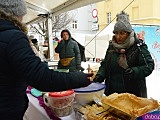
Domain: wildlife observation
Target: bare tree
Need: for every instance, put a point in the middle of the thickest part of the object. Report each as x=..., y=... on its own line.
x=59, y=22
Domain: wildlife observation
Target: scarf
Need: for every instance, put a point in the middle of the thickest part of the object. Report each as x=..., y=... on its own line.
x=120, y=48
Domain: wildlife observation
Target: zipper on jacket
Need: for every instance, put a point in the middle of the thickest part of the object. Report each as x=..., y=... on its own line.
x=123, y=81
x=109, y=71
x=66, y=45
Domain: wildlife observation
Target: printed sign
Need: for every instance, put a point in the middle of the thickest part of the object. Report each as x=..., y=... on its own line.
x=151, y=36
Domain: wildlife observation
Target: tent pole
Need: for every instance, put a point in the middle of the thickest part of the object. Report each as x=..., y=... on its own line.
x=51, y=51
x=95, y=49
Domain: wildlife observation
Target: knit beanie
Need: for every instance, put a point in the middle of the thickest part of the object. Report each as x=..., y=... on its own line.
x=13, y=7
x=123, y=23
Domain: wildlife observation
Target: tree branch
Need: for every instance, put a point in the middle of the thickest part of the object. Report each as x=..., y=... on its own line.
x=37, y=30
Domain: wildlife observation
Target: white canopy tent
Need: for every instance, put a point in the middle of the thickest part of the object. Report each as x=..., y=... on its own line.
x=48, y=7
x=96, y=45
x=108, y=30
x=55, y=7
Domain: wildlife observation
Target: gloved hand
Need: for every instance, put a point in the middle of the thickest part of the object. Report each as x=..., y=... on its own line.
x=98, y=78
x=79, y=67
x=128, y=73
x=88, y=75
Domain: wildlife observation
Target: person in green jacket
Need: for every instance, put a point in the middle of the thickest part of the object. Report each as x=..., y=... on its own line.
x=127, y=61
x=69, y=53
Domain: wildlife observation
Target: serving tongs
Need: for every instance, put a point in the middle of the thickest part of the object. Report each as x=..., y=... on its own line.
x=79, y=114
x=77, y=108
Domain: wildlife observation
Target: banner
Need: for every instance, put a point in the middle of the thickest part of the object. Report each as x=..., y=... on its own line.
x=151, y=36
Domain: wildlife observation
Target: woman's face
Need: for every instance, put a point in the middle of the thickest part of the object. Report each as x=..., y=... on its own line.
x=65, y=36
x=121, y=36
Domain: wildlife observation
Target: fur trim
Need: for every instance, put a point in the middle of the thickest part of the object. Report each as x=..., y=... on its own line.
x=13, y=19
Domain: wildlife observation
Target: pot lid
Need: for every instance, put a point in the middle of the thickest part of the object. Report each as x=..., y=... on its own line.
x=91, y=88
x=61, y=94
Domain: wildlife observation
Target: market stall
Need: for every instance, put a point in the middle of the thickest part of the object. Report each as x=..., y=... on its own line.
x=90, y=104
x=40, y=112
x=37, y=111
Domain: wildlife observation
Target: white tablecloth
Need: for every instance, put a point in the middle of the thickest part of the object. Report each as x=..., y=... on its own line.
x=36, y=112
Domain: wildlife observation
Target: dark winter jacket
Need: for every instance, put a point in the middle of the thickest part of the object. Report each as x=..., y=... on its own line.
x=20, y=67
x=82, y=50
x=69, y=49
x=114, y=74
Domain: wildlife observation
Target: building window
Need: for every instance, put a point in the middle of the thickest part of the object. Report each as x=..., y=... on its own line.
x=74, y=24
x=108, y=17
x=135, y=12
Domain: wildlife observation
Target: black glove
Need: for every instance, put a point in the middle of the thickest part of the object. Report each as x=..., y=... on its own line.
x=128, y=73
x=79, y=67
x=98, y=78
x=88, y=75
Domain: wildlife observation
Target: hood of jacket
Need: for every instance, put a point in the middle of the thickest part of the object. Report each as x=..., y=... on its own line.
x=8, y=22
x=67, y=32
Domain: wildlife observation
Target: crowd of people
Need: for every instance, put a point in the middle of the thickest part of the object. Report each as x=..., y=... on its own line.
x=126, y=64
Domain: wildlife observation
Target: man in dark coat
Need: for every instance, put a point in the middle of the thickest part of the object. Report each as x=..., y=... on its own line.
x=20, y=67
x=69, y=53
x=127, y=61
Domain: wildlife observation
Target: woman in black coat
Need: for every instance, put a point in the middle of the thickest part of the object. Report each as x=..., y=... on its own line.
x=20, y=67
x=127, y=61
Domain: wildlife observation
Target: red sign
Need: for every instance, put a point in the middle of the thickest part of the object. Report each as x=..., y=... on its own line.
x=94, y=13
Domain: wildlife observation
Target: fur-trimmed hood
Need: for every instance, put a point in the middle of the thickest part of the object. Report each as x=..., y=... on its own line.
x=10, y=22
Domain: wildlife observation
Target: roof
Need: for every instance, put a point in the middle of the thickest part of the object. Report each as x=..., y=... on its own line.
x=36, y=7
